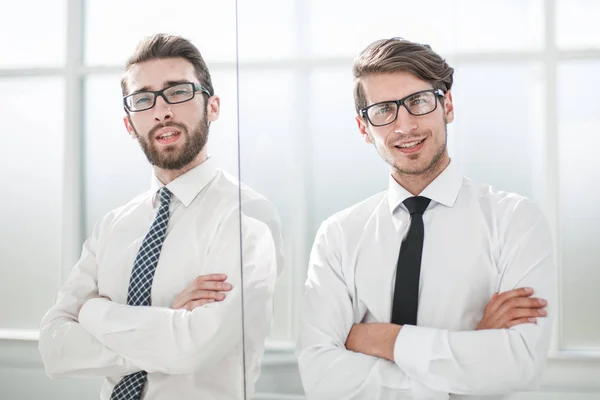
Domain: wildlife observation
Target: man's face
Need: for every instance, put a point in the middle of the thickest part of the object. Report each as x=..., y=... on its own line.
x=171, y=135
x=394, y=142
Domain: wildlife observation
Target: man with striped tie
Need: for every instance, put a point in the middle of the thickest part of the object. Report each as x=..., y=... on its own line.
x=157, y=301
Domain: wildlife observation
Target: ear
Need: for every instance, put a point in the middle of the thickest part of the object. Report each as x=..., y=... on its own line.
x=129, y=127
x=213, y=107
x=362, y=128
x=448, y=107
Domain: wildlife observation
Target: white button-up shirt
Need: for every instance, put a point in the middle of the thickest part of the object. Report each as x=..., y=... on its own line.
x=477, y=241
x=91, y=331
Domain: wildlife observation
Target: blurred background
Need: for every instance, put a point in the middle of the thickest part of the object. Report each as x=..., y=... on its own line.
x=527, y=120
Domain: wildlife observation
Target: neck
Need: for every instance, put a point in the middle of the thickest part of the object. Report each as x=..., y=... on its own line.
x=168, y=175
x=416, y=183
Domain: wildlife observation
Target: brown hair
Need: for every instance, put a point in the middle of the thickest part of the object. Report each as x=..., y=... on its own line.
x=161, y=46
x=400, y=55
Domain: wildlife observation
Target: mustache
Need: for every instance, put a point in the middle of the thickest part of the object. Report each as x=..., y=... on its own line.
x=177, y=125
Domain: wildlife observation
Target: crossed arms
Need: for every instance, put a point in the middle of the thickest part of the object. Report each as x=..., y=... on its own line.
x=339, y=358
x=85, y=334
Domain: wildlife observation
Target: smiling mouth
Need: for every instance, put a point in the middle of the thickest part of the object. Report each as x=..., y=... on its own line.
x=410, y=144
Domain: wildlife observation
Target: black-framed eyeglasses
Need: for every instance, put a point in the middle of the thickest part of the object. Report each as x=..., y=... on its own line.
x=417, y=104
x=175, y=94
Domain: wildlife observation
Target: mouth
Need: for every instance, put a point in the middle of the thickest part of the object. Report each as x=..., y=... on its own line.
x=168, y=136
x=411, y=147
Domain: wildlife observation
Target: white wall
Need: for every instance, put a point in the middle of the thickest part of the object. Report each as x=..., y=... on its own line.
x=527, y=120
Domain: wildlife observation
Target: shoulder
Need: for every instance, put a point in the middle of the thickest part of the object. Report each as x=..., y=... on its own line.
x=511, y=211
x=356, y=216
x=117, y=214
x=253, y=204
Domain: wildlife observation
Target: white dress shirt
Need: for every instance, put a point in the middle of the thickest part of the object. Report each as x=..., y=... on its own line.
x=91, y=331
x=477, y=241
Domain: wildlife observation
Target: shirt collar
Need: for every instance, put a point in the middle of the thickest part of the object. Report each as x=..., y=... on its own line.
x=444, y=188
x=187, y=186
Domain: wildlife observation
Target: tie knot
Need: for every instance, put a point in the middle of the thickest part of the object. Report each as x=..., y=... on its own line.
x=417, y=204
x=165, y=195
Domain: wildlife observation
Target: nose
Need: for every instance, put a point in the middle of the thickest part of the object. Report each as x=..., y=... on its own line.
x=406, y=122
x=162, y=110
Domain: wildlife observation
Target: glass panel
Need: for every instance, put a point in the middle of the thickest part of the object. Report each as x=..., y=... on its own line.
x=344, y=170
x=30, y=233
x=457, y=25
x=114, y=27
x=498, y=125
x=267, y=30
x=268, y=137
x=577, y=24
x=37, y=38
x=579, y=118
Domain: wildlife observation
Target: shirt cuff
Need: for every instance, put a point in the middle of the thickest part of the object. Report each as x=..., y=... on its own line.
x=417, y=346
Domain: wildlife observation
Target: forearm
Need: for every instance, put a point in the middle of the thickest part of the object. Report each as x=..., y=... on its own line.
x=482, y=362
x=485, y=362
x=336, y=373
x=68, y=350
x=161, y=339
x=374, y=339
x=496, y=361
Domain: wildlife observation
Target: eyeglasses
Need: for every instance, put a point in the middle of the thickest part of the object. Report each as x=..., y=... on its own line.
x=386, y=112
x=174, y=94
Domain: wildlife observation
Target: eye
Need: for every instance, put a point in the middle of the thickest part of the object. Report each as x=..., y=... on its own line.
x=418, y=100
x=383, y=109
x=142, y=100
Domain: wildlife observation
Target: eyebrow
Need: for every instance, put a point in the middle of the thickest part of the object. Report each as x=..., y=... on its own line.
x=165, y=84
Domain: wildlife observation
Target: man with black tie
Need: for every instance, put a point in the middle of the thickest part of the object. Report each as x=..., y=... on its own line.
x=440, y=287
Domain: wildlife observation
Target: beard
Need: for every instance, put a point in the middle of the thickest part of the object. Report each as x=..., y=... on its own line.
x=430, y=167
x=175, y=157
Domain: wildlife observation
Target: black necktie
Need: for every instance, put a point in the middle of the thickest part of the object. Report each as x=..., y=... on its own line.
x=406, y=291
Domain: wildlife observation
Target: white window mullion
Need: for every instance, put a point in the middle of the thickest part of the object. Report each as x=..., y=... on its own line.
x=73, y=161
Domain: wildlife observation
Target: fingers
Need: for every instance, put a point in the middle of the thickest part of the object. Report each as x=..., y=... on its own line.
x=195, y=295
x=202, y=288
x=211, y=282
x=210, y=277
x=520, y=321
x=522, y=302
x=511, y=308
x=518, y=313
x=205, y=294
x=191, y=305
x=497, y=301
x=212, y=285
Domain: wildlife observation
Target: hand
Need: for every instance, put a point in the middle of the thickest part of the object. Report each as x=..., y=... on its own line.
x=203, y=290
x=373, y=339
x=511, y=308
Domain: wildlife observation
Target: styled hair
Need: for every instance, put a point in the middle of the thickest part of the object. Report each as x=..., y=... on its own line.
x=400, y=55
x=162, y=46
